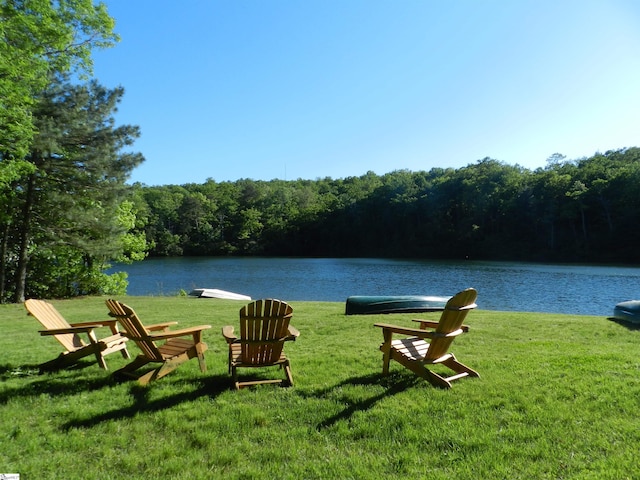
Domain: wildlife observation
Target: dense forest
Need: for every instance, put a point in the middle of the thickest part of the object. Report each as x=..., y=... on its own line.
x=584, y=210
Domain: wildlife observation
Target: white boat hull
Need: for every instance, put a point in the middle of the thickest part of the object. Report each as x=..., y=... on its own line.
x=215, y=293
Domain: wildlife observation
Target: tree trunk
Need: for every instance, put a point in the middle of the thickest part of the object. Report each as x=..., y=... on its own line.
x=3, y=261
x=25, y=238
x=607, y=213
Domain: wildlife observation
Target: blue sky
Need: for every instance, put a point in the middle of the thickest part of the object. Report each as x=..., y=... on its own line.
x=265, y=89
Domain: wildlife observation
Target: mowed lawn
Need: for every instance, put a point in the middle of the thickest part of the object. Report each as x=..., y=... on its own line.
x=558, y=398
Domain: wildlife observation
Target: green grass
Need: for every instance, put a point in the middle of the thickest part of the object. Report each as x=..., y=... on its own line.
x=558, y=398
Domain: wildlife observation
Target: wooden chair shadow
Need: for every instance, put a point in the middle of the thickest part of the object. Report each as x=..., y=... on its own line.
x=393, y=384
x=209, y=386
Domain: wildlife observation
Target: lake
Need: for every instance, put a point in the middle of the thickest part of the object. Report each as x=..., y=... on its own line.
x=506, y=286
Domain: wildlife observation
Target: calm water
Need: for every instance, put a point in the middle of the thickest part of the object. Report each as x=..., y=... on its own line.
x=506, y=286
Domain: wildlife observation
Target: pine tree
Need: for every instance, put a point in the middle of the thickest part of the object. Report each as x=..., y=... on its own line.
x=66, y=212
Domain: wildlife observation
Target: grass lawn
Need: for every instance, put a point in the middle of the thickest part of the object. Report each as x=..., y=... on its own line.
x=558, y=398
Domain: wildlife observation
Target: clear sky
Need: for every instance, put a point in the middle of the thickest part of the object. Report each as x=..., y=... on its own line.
x=265, y=89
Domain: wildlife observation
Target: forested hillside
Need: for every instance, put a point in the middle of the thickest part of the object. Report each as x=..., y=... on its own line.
x=571, y=210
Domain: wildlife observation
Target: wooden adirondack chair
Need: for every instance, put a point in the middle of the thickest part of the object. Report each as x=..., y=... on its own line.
x=170, y=355
x=264, y=327
x=416, y=354
x=69, y=336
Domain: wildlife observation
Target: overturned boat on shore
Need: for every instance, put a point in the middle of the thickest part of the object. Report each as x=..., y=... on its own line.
x=628, y=311
x=215, y=293
x=368, y=305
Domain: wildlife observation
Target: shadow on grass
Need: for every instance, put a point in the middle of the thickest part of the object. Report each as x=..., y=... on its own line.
x=9, y=371
x=392, y=384
x=628, y=325
x=49, y=384
x=210, y=386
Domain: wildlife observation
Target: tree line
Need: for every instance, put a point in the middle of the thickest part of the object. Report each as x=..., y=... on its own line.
x=583, y=210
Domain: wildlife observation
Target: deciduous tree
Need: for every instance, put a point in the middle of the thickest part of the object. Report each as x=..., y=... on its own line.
x=39, y=38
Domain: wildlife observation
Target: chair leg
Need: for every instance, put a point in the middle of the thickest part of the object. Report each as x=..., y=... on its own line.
x=386, y=351
x=128, y=369
x=157, y=373
x=423, y=372
x=458, y=367
x=201, y=361
x=435, y=379
x=234, y=375
x=287, y=371
x=420, y=370
x=149, y=376
x=285, y=382
x=101, y=361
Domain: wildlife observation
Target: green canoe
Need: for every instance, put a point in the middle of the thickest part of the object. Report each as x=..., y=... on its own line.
x=367, y=305
x=628, y=311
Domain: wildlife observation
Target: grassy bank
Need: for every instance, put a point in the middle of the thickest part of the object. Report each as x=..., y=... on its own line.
x=558, y=397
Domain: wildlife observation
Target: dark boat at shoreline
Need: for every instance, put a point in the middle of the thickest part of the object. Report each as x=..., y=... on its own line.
x=628, y=311
x=368, y=305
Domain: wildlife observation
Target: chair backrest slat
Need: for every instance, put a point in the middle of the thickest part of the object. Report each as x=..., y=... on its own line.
x=134, y=329
x=51, y=319
x=262, y=323
x=455, y=311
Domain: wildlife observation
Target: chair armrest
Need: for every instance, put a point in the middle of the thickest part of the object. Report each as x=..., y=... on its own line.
x=183, y=332
x=293, y=332
x=227, y=333
x=426, y=323
x=230, y=337
x=159, y=326
x=58, y=331
x=99, y=323
x=112, y=324
x=431, y=324
x=151, y=328
x=416, y=332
